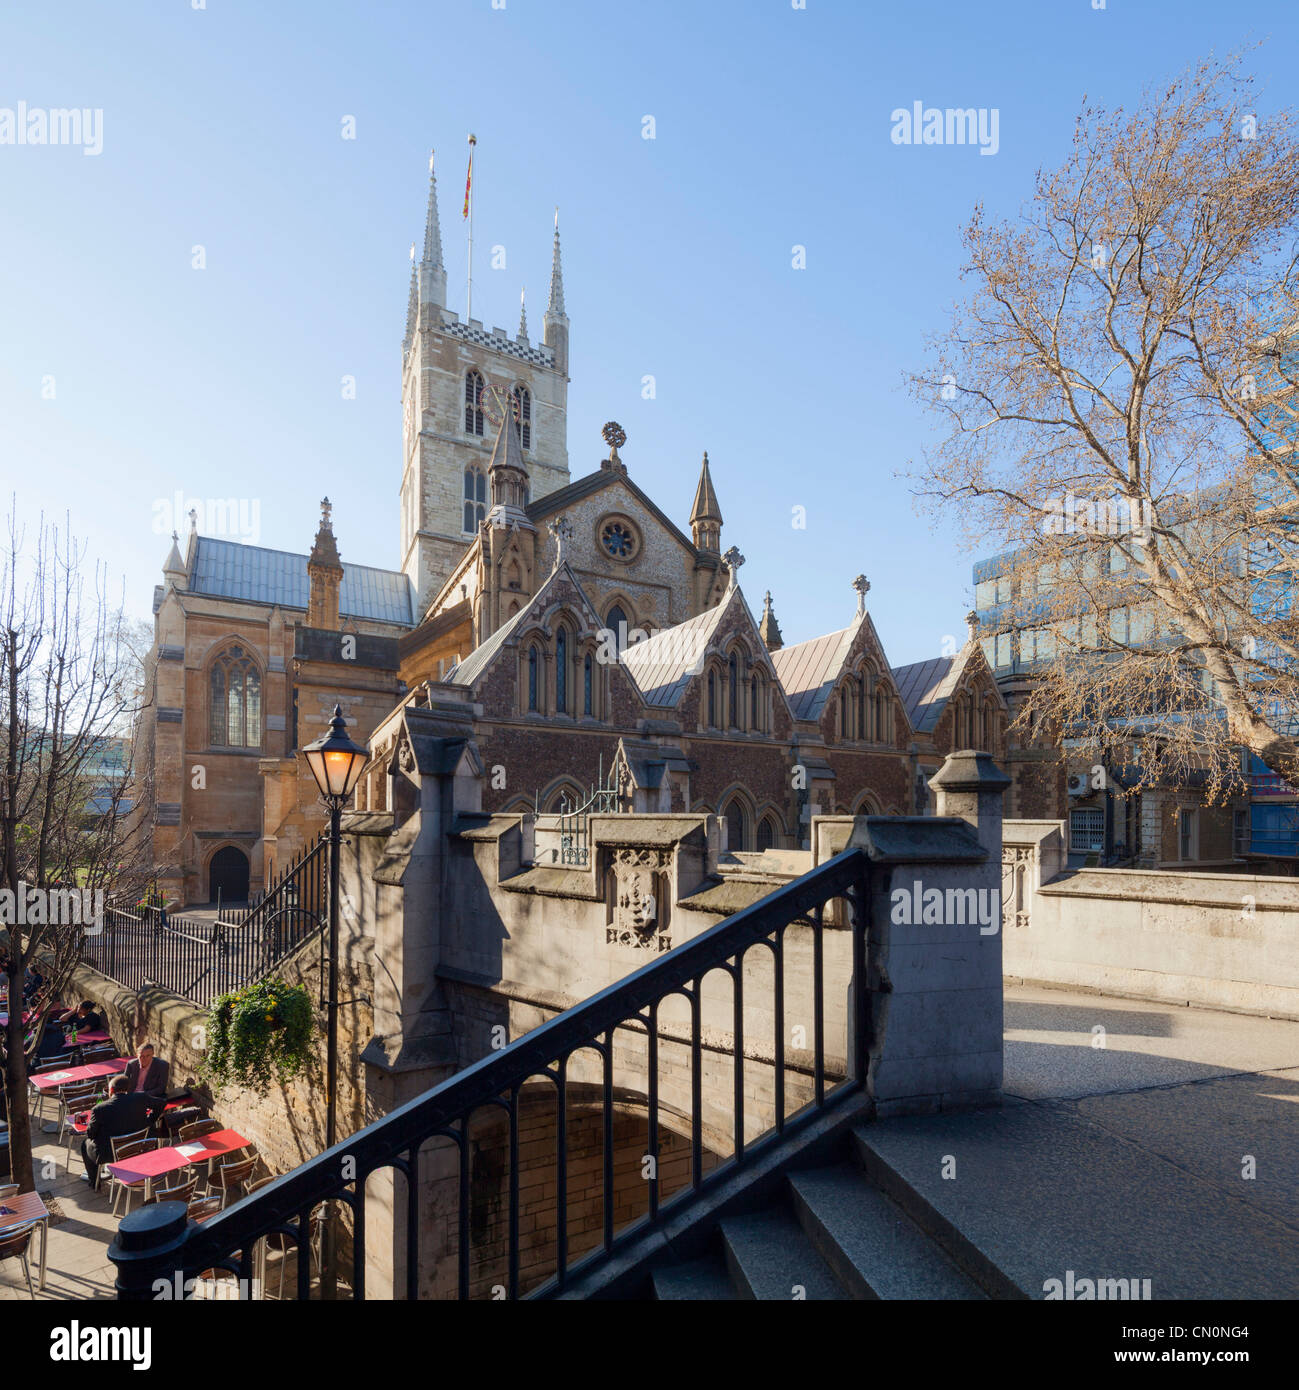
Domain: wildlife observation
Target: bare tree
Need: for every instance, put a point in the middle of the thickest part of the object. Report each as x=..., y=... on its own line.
x=1117, y=404
x=68, y=680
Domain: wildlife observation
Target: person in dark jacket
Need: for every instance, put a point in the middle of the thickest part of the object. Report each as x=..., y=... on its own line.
x=87, y=1018
x=124, y=1112
x=148, y=1073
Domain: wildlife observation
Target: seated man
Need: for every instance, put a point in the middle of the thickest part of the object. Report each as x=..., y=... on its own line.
x=52, y=1042
x=147, y=1073
x=124, y=1112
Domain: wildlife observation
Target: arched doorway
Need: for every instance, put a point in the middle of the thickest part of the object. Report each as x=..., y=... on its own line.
x=227, y=876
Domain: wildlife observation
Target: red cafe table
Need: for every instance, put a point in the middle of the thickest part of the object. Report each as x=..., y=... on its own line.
x=49, y=1081
x=156, y=1163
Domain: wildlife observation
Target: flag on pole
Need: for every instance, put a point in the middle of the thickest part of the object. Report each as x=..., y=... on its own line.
x=469, y=176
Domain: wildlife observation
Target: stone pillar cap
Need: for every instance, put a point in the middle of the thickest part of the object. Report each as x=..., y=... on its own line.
x=970, y=771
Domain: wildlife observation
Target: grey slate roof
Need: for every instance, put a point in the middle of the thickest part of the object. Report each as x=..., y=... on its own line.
x=467, y=671
x=663, y=665
x=808, y=670
x=229, y=569
x=925, y=687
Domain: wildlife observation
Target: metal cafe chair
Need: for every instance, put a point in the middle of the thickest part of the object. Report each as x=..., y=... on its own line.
x=14, y=1247
x=231, y=1177
x=80, y=1096
x=278, y=1243
x=121, y=1152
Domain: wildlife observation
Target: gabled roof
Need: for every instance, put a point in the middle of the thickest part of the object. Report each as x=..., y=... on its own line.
x=808, y=670
x=925, y=687
x=254, y=574
x=555, y=502
x=467, y=671
x=478, y=660
x=663, y=665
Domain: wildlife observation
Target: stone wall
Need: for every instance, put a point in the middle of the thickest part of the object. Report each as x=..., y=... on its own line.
x=1221, y=941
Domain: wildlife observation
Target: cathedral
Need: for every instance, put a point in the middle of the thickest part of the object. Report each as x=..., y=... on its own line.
x=576, y=620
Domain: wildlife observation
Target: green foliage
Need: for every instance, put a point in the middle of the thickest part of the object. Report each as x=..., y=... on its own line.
x=259, y=1034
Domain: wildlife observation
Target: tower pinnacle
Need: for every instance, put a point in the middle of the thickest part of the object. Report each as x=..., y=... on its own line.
x=432, y=272
x=556, y=319
x=706, y=514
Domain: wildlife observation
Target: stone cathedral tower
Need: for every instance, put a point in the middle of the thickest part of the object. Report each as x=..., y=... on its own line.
x=447, y=437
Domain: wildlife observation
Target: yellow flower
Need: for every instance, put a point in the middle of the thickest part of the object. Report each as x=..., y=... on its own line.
x=270, y=1018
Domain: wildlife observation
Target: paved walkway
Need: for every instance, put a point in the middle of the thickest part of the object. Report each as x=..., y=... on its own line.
x=1137, y=1141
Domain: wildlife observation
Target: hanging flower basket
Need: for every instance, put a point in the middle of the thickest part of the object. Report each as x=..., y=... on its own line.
x=259, y=1035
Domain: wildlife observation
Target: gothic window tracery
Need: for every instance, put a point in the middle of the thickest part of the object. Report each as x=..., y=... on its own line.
x=523, y=414
x=235, y=700
x=475, y=498
x=473, y=401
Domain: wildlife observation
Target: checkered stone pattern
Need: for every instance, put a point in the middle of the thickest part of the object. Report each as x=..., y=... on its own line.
x=540, y=356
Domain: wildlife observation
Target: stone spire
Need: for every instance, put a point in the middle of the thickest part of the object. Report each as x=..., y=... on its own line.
x=556, y=320
x=769, y=628
x=432, y=273
x=174, y=567
x=507, y=471
x=706, y=514
x=523, y=316
x=325, y=572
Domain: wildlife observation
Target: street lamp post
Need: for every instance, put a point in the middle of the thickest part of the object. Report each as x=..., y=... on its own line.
x=336, y=764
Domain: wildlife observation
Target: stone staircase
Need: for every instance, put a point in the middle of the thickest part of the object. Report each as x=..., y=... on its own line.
x=831, y=1232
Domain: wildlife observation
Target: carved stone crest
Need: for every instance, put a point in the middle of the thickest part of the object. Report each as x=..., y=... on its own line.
x=638, y=914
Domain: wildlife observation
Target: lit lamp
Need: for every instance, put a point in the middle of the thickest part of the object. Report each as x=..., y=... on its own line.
x=336, y=763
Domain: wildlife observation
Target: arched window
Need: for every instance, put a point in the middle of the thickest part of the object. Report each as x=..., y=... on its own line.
x=986, y=743
x=881, y=718
x=735, y=826
x=587, y=707
x=617, y=624
x=766, y=834
x=561, y=671
x=473, y=401
x=859, y=690
x=732, y=692
x=235, y=700
x=712, y=699
x=532, y=679
x=523, y=414
x=475, y=498
x=753, y=701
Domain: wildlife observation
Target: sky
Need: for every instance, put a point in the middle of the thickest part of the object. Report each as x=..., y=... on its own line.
x=182, y=311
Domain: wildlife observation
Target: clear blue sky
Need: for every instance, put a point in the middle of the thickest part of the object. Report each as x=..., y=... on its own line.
x=221, y=128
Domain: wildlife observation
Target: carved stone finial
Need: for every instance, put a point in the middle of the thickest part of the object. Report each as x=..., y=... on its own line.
x=972, y=622
x=863, y=586
x=193, y=518
x=615, y=437
x=733, y=560
x=326, y=510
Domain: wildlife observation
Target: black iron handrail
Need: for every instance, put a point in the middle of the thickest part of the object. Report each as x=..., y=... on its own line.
x=287, y=1205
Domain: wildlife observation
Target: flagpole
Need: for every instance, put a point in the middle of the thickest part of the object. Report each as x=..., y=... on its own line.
x=469, y=203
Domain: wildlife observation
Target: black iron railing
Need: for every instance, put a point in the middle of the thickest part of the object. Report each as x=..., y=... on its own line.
x=142, y=945
x=155, y=1243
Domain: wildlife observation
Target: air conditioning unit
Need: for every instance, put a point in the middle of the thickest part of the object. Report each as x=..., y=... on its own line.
x=1078, y=784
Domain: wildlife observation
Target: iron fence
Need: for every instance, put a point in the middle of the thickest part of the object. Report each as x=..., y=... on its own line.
x=157, y=1243
x=143, y=945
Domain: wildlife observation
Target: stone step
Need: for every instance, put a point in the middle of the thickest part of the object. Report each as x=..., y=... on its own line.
x=703, y=1281
x=771, y=1258
x=872, y=1247
x=965, y=1254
